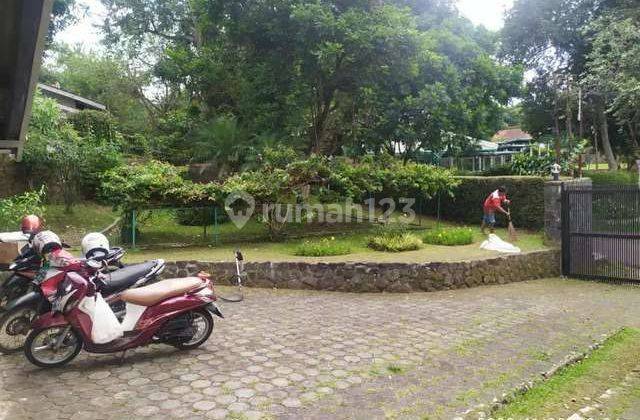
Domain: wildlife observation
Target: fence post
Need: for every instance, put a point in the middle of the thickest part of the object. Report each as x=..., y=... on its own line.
x=133, y=229
x=215, y=225
x=438, y=210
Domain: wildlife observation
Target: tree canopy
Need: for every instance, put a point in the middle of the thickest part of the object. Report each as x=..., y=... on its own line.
x=330, y=77
x=584, y=53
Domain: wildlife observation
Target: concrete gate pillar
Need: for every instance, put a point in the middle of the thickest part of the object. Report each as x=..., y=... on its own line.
x=553, y=206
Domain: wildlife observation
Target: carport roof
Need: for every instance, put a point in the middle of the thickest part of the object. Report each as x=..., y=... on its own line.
x=23, y=29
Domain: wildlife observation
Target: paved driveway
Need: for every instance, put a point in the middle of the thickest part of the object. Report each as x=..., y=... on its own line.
x=291, y=354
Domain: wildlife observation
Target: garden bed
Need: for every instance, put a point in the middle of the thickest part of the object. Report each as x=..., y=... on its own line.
x=381, y=276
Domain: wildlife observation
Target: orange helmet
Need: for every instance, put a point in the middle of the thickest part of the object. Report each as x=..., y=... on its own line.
x=31, y=224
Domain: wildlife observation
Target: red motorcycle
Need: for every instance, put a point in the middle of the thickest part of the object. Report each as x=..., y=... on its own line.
x=175, y=312
x=15, y=322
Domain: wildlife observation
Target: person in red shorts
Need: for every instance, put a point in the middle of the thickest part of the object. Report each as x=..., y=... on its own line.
x=494, y=204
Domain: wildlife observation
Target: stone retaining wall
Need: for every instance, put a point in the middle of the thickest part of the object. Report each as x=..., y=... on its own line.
x=383, y=277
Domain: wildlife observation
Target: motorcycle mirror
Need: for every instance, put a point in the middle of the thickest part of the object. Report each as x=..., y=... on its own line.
x=96, y=265
x=239, y=256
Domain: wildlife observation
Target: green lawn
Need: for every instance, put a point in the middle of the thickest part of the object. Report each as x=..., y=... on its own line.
x=562, y=395
x=284, y=251
x=84, y=219
x=162, y=237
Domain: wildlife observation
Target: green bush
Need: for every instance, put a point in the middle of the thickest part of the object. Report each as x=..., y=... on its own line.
x=199, y=216
x=12, y=209
x=70, y=154
x=528, y=164
x=394, y=238
x=526, y=193
x=449, y=237
x=612, y=177
x=324, y=247
x=499, y=170
x=395, y=243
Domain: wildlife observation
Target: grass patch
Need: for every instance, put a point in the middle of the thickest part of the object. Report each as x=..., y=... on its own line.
x=83, y=219
x=449, y=236
x=322, y=248
x=590, y=377
x=395, y=369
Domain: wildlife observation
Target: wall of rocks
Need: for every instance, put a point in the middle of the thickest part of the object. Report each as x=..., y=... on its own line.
x=383, y=277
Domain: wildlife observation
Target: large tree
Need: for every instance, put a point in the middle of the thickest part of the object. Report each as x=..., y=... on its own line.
x=556, y=38
x=322, y=75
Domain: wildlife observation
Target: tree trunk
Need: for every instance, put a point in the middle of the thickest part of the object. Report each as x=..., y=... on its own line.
x=557, y=139
x=569, y=122
x=604, y=136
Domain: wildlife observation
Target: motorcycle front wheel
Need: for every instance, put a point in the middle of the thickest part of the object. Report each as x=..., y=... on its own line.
x=7, y=294
x=14, y=327
x=48, y=348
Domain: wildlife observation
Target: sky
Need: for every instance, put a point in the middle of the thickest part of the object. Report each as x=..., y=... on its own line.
x=489, y=13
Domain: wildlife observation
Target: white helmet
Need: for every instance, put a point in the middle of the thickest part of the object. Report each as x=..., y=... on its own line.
x=46, y=242
x=95, y=244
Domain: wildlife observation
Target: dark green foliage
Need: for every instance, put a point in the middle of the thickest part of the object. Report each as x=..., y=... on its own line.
x=70, y=155
x=329, y=77
x=613, y=177
x=200, y=216
x=13, y=209
x=499, y=170
x=527, y=194
x=531, y=164
x=449, y=236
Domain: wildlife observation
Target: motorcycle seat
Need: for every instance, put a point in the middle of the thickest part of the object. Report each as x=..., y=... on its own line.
x=126, y=277
x=157, y=292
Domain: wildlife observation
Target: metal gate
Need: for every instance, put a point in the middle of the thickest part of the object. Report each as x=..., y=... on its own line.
x=601, y=233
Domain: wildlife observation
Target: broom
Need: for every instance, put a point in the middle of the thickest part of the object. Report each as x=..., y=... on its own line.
x=513, y=235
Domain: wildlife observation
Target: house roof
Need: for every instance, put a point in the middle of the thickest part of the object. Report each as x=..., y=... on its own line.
x=486, y=146
x=512, y=133
x=23, y=28
x=79, y=101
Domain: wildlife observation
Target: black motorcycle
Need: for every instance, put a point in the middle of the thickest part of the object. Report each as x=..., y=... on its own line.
x=22, y=271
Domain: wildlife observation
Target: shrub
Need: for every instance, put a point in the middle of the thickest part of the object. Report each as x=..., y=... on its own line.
x=322, y=248
x=528, y=164
x=613, y=177
x=394, y=238
x=395, y=243
x=526, y=193
x=71, y=152
x=449, y=237
x=12, y=209
x=499, y=170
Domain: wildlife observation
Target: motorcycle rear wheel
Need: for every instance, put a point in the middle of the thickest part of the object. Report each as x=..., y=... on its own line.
x=40, y=347
x=14, y=327
x=202, y=322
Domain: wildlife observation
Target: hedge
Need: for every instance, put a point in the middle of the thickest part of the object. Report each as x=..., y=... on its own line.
x=612, y=177
x=525, y=192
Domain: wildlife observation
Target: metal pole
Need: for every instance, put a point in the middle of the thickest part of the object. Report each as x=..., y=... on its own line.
x=133, y=229
x=215, y=225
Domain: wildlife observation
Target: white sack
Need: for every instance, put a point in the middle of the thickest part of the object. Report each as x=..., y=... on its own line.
x=494, y=243
x=105, y=326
